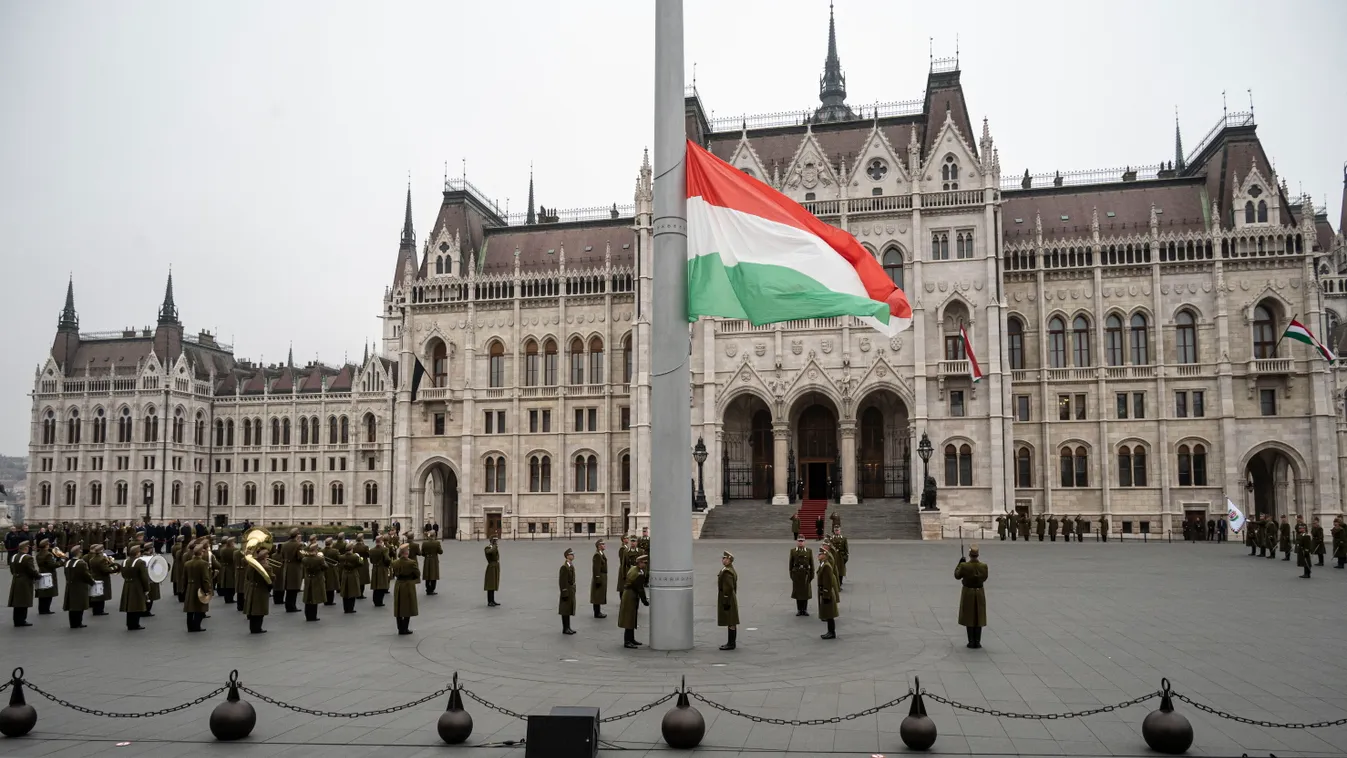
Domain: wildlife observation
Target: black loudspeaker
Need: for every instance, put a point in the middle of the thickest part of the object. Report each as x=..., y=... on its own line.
x=566, y=732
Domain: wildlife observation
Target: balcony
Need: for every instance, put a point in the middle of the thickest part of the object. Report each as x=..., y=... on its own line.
x=1333, y=285
x=1268, y=366
x=538, y=392
x=1024, y=375
x=1130, y=372
x=1070, y=374
x=622, y=389
x=494, y=392
x=954, y=368
x=1188, y=369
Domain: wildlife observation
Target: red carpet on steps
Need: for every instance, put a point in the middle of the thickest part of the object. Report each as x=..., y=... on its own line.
x=809, y=512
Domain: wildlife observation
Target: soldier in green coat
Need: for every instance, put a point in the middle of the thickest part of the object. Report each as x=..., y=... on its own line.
x=828, y=593
x=1284, y=538
x=1103, y=528
x=1024, y=527
x=1080, y=529
x=795, y=526
x=1068, y=527
x=623, y=565
x=179, y=554
x=78, y=582
x=362, y=550
x=1304, y=548
x=1339, y=542
x=841, y=553
x=197, y=579
x=348, y=578
x=1052, y=528
x=1001, y=527
x=102, y=570
x=1040, y=526
x=47, y=563
x=972, y=600
x=1317, y=537
x=633, y=592
x=598, y=586
x=431, y=550
x=23, y=575
x=1251, y=537
x=566, y=585
x=257, y=604
x=229, y=580
x=379, y=564
x=315, y=581
x=332, y=579
x=727, y=601
x=801, y=567
x=491, y=582
x=135, y=587
x=643, y=544
x=241, y=583
x=407, y=574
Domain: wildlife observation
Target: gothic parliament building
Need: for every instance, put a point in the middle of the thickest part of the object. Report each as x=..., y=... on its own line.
x=1127, y=324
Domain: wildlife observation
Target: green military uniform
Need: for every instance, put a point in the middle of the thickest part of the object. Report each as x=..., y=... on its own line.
x=228, y=581
x=407, y=574
x=102, y=568
x=623, y=566
x=1024, y=527
x=379, y=573
x=1001, y=527
x=241, y=584
x=972, y=600
x=348, y=579
x=315, y=583
x=1068, y=527
x=179, y=553
x=491, y=581
x=566, y=587
x=362, y=550
x=413, y=549
x=332, y=579
x=643, y=546
x=1080, y=529
x=801, y=568
x=292, y=572
x=840, y=550
x=78, y=582
x=1040, y=526
x=135, y=588
x=1251, y=537
x=47, y=563
x=828, y=594
x=257, y=604
x=727, y=601
x=23, y=576
x=835, y=520
x=431, y=550
x=795, y=526
x=196, y=578
x=1317, y=538
x=1339, y=543
x=633, y=596
x=598, y=585
x=1103, y=528
x=1052, y=528
x=1284, y=538
x=1304, y=548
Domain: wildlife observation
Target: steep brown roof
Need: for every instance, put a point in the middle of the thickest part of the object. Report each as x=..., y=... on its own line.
x=776, y=146
x=342, y=381
x=945, y=93
x=1179, y=203
x=204, y=359
x=257, y=384
x=534, y=243
x=100, y=357
x=1323, y=231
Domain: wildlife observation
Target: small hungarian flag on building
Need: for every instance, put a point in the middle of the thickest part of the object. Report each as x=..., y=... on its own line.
x=974, y=370
x=755, y=254
x=1297, y=331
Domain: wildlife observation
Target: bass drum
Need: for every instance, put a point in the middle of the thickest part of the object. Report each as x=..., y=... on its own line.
x=157, y=565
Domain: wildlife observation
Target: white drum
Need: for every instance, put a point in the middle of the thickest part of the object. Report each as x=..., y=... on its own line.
x=96, y=590
x=44, y=581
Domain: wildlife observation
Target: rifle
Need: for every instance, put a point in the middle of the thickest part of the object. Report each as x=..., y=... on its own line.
x=962, y=554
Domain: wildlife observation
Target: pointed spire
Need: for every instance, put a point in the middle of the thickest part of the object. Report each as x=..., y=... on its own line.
x=364, y=361
x=1179, y=163
x=168, y=312
x=530, y=218
x=832, y=90
x=290, y=357
x=408, y=233
x=70, y=321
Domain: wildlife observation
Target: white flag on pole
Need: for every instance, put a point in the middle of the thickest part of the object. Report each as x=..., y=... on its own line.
x=1235, y=516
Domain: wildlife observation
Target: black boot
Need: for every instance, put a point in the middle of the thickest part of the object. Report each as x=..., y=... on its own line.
x=277, y=597
x=598, y=612
x=729, y=644
x=255, y=625
x=566, y=625
x=379, y=598
x=977, y=636
x=77, y=619
x=21, y=617
x=1341, y=562
x=430, y=586
x=1287, y=558
x=405, y=625
x=292, y=601
x=229, y=596
x=629, y=639
x=491, y=599
x=98, y=608
x=1321, y=560
x=238, y=602
x=44, y=606
x=1306, y=575
x=133, y=621
x=310, y=611
x=149, y=610
x=832, y=630
x=972, y=636
x=348, y=605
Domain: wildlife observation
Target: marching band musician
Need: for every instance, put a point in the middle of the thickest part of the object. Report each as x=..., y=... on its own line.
x=379, y=564
x=197, y=580
x=315, y=581
x=292, y=571
x=24, y=573
x=431, y=550
x=256, y=605
x=47, y=563
x=348, y=569
x=135, y=584
x=228, y=576
x=332, y=580
x=404, y=569
x=78, y=584
x=152, y=591
x=102, y=568
x=362, y=550
x=241, y=584
x=180, y=558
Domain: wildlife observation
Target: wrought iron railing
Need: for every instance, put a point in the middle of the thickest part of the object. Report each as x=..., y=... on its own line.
x=802, y=117
x=1229, y=119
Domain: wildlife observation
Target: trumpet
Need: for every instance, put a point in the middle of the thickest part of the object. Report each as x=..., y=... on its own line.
x=59, y=553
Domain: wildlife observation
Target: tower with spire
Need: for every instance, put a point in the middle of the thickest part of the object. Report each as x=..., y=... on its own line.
x=1179, y=163
x=530, y=218
x=168, y=336
x=832, y=86
x=407, y=244
x=168, y=311
x=67, y=330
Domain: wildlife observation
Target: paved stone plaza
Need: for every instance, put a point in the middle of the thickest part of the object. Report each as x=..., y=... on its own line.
x=1072, y=627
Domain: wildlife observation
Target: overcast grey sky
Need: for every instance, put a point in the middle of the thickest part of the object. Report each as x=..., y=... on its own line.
x=262, y=149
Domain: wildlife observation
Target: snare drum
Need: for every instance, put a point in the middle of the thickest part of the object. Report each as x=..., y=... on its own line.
x=97, y=589
x=44, y=581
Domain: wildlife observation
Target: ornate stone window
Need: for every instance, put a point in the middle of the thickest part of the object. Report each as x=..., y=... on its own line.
x=958, y=465
x=1132, y=466
x=1015, y=342
x=1192, y=466
x=1264, y=332
x=893, y=265
x=949, y=173
x=1024, y=468
x=1113, y=340
x=1080, y=341
x=1140, y=345
x=1185, y=343
x=1056, y=342
x=1075, y=465
x=877, y=169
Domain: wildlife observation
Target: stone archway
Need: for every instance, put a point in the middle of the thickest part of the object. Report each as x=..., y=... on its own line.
x=439, y=495
x=816, y=442
x=746, y=450
x=1271, y=478
x=883, y=450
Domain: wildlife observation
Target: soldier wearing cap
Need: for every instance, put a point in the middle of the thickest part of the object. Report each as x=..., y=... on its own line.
x=795, y=525
x=598, y=587
x=291, y=579
x=1317, y=536
x=362, y=550
x=624, y=556
x=566, y=585
x=643, y=544
x=828, y=592
x=407, y=575
x=315, y=581
x=78, y=582
x=1052, y=527
x=101, y=568
x=1040, y=526
x=1284, y=538
x=491, y=582
x=197, y=578
x=379, y=568
x=1304, y=548
x=841, y=553
x=47, y=564
x=972, y=600
x=24, y=573
x=727, y=603
x=431, y=550
x=801, y=567
x=632, y=593
x=135, y=588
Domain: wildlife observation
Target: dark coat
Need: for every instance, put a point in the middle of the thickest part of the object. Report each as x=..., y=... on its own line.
x=292, y=565
x=257, y=602
x=100, y=567
x=23, y=569
x=196, y=576
x=1339, y=542
x=491, y=582
x=566, y=584
x=972, y=600
x=315, y=579
x=727, y=597
x=348, y=575
x=228, y=574
x=47, y=563
x=842, y=553
x=598, y=586
x=362, y=550
x=135, y=586
x=413, y=549
x=1284, y=530
x=431, y=550
x=622, y=568
x=240, y=572
x=378, y=568
x=828, y=592
x=404, y=593
x=1052, y=527
x=1317, y=537
x=78, y=581
x=1304, y=549
x=632, y=593
x=801, y=568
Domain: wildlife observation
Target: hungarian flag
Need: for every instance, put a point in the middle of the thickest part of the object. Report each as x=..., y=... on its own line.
x=755, y=254
x=974, y=370
x=1234, y=516
x=1297, y=331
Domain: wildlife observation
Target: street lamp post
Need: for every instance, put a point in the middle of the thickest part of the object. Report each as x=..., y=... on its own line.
x=699, y=455
x=924, y=450
x=148, y=494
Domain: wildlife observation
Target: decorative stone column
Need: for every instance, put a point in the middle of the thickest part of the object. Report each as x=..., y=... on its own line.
x=848, y=430
x=780, y=449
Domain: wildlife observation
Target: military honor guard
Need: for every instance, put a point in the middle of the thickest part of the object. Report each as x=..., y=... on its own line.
x=78, y=585
x=828, y=593
x=566, y=585
x=1103, y=528
x=643, y=544
x=199, y=582
x=315, y=581
x=49, y=587
x=292, y=571
x=228, y=582
x=379, y=565
x=332, y=578
x=727, y=601
x=348, y=577
x=135, y=588
x=801, y=567
x=152, y=590
x=840, y=550
x=1317, y=538
x=1080, y=529
x=407, y=574
x=1304, y=548
x=1052, y=527
x=1001, y=527
x=1284, y=538
x=623, y=565
x=1068, y=528
x=241, y=583
x=835, y=520
x=1339, y=542
x=180, y=558
x=23, y=579
x=431, y=550
x=1024, y=526
x=491, y=581
x=972, y=599
x=362, y=550
x=1251, y=538
x=633, y=592
x=598, y=586
x=102, y=568
x=260, y=583
x=1040, y=526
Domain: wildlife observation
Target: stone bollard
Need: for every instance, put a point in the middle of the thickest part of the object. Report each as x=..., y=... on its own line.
x=455, y=724
x=917, y=730
x=233, y=719
x=683, y=726
x=18, y=718
x=1165, y=730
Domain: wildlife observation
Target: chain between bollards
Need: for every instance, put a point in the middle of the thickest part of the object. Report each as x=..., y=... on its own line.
x=1041, y=716
x=1257, y=722
x=116, y=715
x=801, y=722
x=339, y=714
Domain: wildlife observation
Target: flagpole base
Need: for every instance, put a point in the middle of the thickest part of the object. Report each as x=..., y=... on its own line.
x=848, y=500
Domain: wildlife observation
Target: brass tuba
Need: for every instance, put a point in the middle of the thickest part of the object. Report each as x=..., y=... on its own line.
x=256, y=539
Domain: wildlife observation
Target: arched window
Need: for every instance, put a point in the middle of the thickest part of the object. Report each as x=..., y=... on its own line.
x=495, y=474
x=250, y=494
x=1141, y=353
x=371, y=428
x=1056, y=342
x=625, y=484
x=497, y=364
x=954, y=320
x=949, y=173
x=221, y=494
x=626, y=359
x=338, y=494
x=940, y=246
x=535, y=474
x=101, y=425
x=1264, y=333
x=592, y=468
x=550, y=363
x=151, y=425
x=44, y=494
x=275, y=432
x=285, y=431
x=1262, y=211
x=199, y=434
x=1248, y=212
x=1192, y=466
x=371, y=493
x=345, y=430
x=179, y=426
x=1075, y=467
x=124, y=426
x=278, y=494
x=1024, y=468
x=531, y=364
x=1132, y=466
x=439, y=264
x=893, y=265
x=247, y=434
x=1113, y=340
x=303, y=430
x=49, y=428
x=70, y=493
x=439, y=364
x=72, y=428
x=331, y=430
x=577, y=361
x=123, y=493
x=1186, y=337
x=958, y=466
x=306, y=493
x=96, y=493
x=586, y=474
x=1015, y=342
x=595, y=360
x=1080, y=342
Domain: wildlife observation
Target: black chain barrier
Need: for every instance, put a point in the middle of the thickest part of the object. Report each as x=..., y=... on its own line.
x=1258, y=722
x=492, y=706
x=640, y=710
x=339, y=714
x=116, y=715
x=800, y=722
x=1040, y=716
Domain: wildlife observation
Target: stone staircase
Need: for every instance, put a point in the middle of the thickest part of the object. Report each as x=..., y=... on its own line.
x=875, y=519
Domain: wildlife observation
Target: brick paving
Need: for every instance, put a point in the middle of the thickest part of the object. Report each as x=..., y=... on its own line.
x=1072, y=627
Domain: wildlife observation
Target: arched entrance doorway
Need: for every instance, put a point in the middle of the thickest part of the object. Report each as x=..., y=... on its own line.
x=439, y=490
x=816, y=448
x=883, y=456
x=1270, y=478
x=746, y=450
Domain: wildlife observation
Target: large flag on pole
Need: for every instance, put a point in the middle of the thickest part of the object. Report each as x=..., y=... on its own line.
x=1297, y=331
x=974, y=370
x=1234, y=516
x=755, y=254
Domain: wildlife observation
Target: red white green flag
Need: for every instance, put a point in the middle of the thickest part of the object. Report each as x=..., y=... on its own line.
x=755, y=254
x=974, y=370
x=1297, y=331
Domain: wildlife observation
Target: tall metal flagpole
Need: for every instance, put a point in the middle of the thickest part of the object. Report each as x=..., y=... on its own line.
x=670, y=409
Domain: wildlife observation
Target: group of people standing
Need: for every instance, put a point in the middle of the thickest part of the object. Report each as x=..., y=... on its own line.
x=632, y=576
x=1017, y=525
x=1265, y=537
